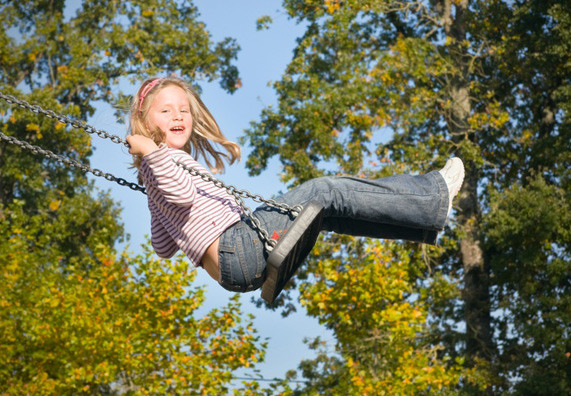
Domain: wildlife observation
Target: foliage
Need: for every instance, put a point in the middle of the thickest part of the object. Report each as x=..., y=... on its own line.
x=378, y=316
x=533, y=283
x=263, y=22
x=109, y=325
x=390, y=86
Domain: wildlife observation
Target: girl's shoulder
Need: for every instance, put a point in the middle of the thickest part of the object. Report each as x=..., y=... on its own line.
x=185, y=158
x=180, y=154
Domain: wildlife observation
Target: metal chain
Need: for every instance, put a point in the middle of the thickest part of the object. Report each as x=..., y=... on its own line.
x=269, y=242
x=63, y=119
x=238, y=194
x=72, y=163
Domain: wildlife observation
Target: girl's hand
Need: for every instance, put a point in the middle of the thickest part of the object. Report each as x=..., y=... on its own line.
x=141, y=145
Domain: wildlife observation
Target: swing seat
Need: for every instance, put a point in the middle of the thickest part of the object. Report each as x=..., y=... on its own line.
x=292, y=248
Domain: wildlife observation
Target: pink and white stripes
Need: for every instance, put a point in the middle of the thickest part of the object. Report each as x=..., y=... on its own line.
x=187, y=213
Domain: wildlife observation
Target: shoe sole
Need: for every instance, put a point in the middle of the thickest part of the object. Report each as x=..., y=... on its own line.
x=457, y=185
x=291, y=250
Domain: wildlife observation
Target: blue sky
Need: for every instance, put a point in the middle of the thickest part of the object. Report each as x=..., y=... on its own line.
x=263, y=57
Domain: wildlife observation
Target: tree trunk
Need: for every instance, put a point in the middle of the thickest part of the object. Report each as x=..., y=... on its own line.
x=476, y=292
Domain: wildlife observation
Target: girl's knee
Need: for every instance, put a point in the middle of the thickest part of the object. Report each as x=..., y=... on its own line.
x=316, y=187
x=323, y=183
x=310, y=190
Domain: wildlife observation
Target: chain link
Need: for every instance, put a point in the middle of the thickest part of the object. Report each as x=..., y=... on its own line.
x=70, y=162
x=269, y=242
x=63, y=119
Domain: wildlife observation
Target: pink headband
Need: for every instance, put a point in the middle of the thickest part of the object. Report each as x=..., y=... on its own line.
x=146, y=90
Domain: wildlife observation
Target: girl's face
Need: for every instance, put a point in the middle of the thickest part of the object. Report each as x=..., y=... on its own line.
x=170, y=112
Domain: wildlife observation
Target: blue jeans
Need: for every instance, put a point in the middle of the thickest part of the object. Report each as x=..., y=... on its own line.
x=411, y=208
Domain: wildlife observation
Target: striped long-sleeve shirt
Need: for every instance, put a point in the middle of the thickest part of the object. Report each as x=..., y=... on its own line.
x=187, y=213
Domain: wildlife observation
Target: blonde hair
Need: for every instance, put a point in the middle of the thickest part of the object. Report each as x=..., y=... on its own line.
x=205, y=129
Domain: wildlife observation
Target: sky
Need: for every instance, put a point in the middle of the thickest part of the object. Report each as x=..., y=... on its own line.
x=263, y=58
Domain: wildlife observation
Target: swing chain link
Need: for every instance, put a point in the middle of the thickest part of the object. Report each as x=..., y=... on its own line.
x=71, y=163
x=269, y=242
x=63, y=119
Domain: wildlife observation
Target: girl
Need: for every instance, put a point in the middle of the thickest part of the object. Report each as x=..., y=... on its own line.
x=170, y=122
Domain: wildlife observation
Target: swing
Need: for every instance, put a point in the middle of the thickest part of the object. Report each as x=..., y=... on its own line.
x=285, y=256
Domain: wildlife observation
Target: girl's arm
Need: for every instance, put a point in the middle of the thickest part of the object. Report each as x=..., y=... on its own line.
x=162, y=243
x=159, y=172
x=141, y=145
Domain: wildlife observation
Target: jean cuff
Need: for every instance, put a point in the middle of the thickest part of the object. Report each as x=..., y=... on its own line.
x=442, y=213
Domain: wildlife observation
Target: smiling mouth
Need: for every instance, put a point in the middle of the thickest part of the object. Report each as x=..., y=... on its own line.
x=177, y=129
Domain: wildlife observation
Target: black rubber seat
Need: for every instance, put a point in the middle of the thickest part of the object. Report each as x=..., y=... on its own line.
x=292, y=248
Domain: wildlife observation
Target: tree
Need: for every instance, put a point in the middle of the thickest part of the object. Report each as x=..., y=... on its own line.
x=377, y=87
x=127, y=325
x=378, y=317
x=77, y=316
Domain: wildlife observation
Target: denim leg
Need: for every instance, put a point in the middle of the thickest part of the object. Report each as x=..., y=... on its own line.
x=403, y=207
x=396, y=207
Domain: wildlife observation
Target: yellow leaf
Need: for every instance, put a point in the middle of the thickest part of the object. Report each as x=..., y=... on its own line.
x=54, y=205
x=34, y=128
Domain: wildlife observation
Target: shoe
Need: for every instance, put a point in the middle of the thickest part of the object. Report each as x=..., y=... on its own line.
x=453, y=174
